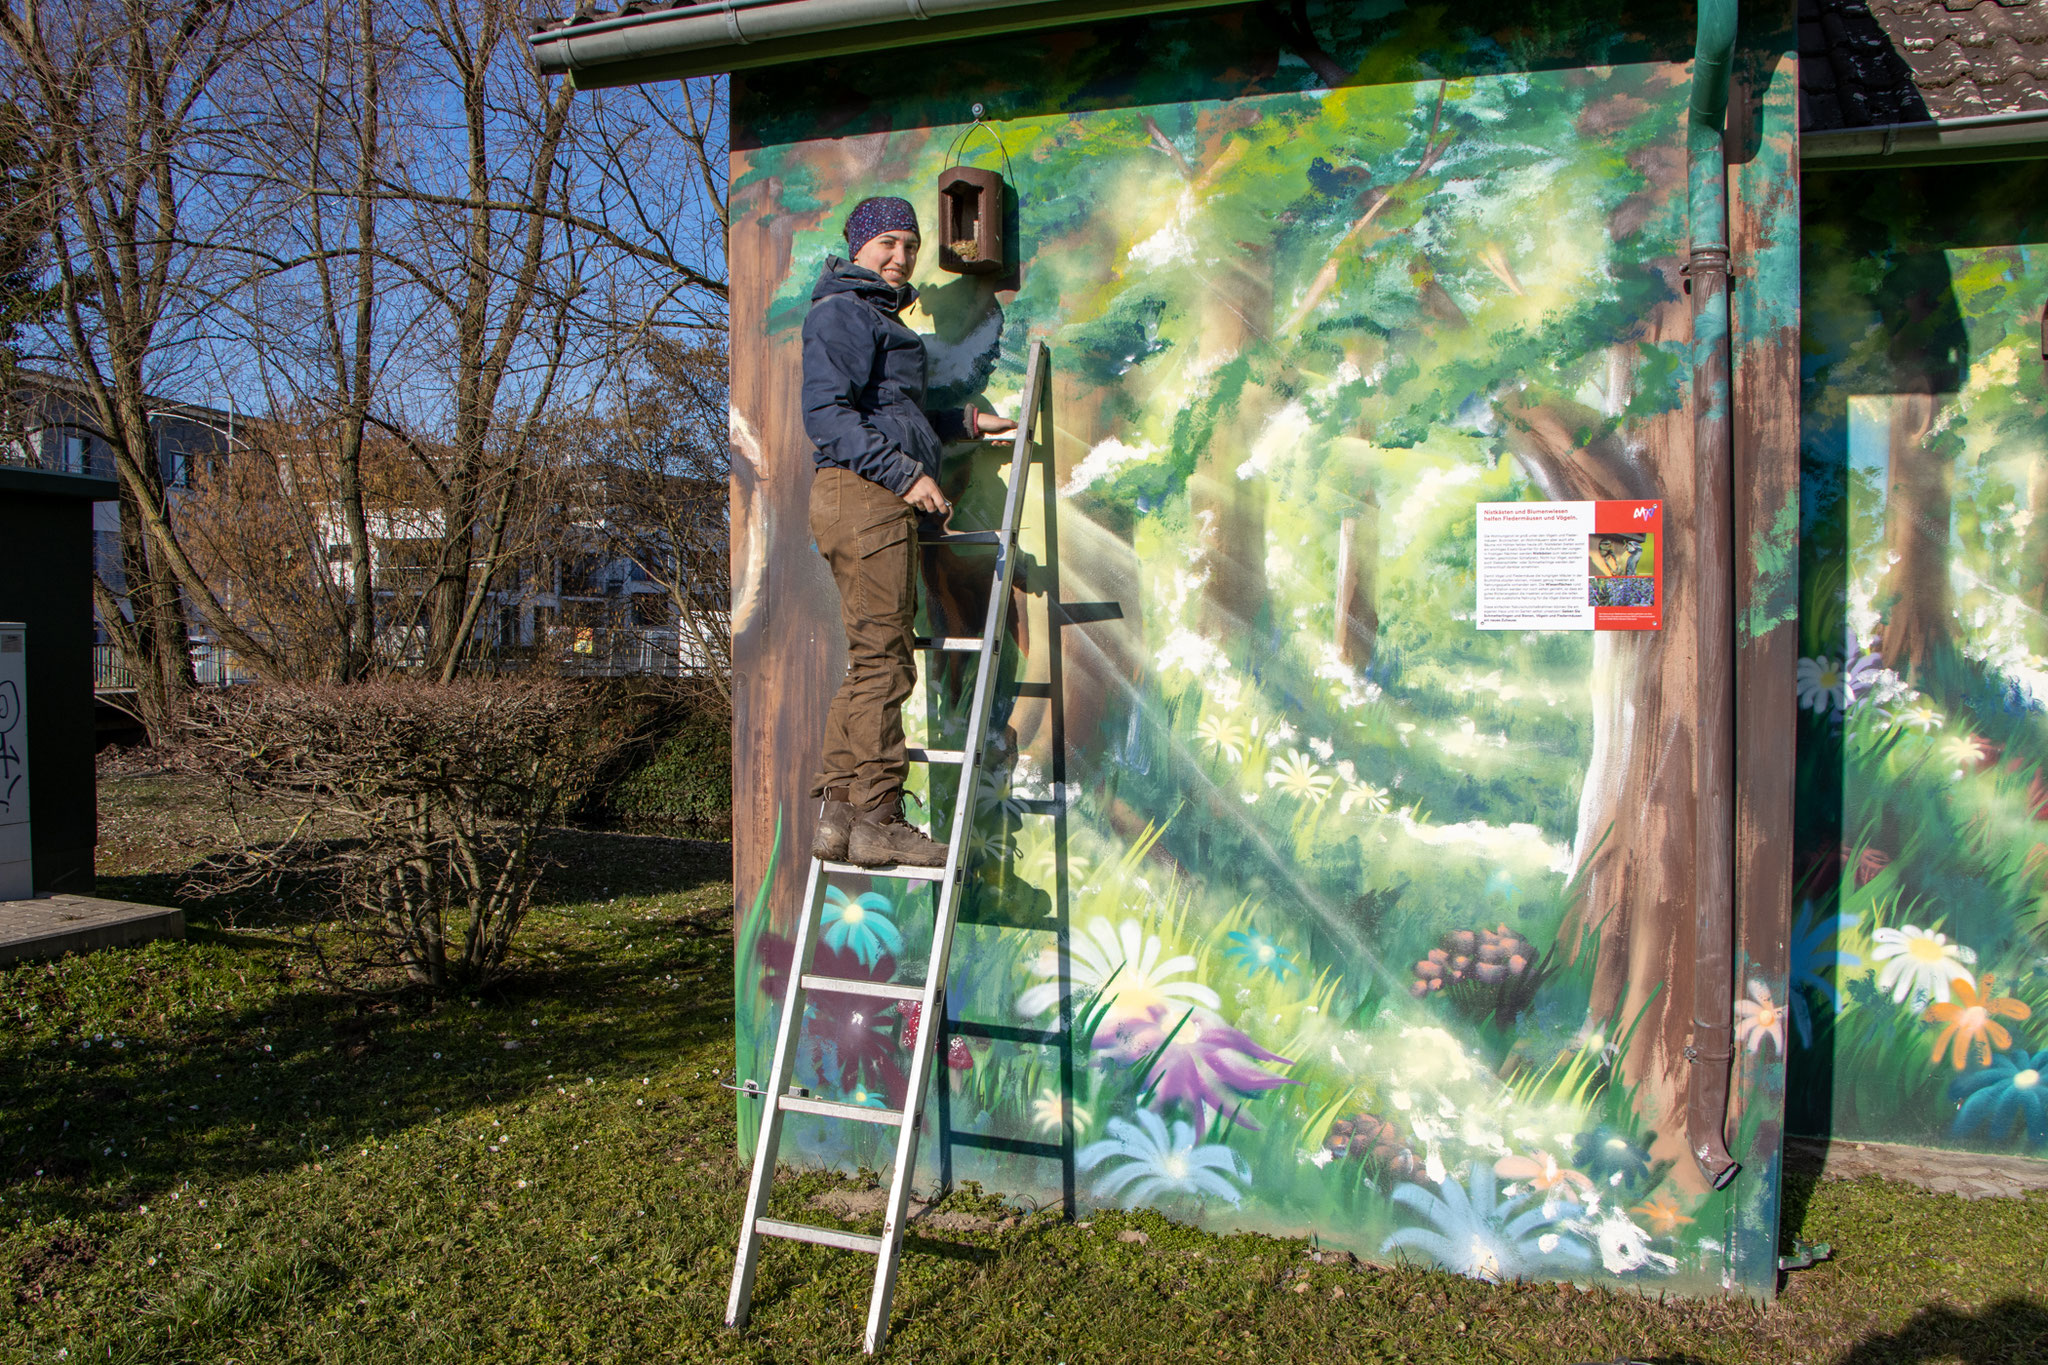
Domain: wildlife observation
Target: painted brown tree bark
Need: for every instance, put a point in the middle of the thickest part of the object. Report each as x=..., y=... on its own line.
x=1358, y=553
x=1914, y=597
x=1633, y=852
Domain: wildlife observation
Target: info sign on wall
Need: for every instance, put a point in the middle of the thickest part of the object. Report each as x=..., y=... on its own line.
x=1571, y=565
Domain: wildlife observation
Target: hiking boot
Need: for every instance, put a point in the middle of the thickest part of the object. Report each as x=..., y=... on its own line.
x=882, y=837
x=837, y=821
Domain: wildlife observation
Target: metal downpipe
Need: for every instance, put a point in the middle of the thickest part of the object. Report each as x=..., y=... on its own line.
x=1711, y=1052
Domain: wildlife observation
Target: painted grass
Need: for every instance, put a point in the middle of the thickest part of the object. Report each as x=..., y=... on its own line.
x=263, y=1170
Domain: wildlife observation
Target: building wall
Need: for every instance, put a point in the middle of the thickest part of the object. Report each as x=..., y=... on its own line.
x=1309, y=301
x=1921, y=989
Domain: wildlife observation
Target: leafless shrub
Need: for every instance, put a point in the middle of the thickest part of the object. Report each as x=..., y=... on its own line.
x=415, y=808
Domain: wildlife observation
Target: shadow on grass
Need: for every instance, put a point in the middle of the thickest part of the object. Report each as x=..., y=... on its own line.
x=582, y=865
x=219, y=1058
x=2004, y=1332
x=1799, y=1177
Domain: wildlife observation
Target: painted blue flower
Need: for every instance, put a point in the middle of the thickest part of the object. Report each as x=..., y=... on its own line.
x=1257, y=953
x=1467, y=1229
x=1502, y=883
x=1155, y=1161
x=860, y=926
x=1812, y=967
x=1998, y=1097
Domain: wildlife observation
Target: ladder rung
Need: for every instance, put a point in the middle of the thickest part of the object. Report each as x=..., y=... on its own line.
x=963, y=538
x=919, y=874
x=1038, y=806
x=1049, y=1151
x=824, y=1237
x=832, y=1109
x=1041, y=690
x=1006, y=1033
x=936, y=755
x=956, y=644
x=846, y=985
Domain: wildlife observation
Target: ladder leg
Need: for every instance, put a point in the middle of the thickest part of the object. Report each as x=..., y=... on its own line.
x=1031, y=432
x=897, y=1211
x=1056, y=717
x=787, y=1034
x=1034, y=434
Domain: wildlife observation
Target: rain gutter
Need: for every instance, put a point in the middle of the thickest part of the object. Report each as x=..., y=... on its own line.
x=2015, y=136
x=1711, y=1050
x=732, y=35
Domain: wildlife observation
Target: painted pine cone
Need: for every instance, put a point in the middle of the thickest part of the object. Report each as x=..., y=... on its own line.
x=1370, y=1136
x=1491, y=957
x=1502, y=956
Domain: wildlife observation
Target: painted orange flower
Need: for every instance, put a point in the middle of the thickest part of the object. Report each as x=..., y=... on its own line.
x=1972, y=1014
x=1662, y=1215
x=1544, y=1173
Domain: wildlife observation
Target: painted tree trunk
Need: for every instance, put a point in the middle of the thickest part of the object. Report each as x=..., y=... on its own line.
x=1915, y=596
x=1358, y=553
x=1633, y=850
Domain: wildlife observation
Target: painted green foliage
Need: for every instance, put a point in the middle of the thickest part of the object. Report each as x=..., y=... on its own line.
x=1323, y=835
x=1917, y=951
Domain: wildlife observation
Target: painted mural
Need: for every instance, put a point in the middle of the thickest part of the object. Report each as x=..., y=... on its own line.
x=1920, y=986
x=1315, y=909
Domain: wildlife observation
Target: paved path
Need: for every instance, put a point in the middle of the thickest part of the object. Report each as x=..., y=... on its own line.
x=1972, y=1175
x=50, y=926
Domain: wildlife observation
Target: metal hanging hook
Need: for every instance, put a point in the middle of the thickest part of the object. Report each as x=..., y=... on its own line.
x=981, y=124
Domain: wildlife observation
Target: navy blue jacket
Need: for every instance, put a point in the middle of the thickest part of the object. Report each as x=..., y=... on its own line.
x=864, y=380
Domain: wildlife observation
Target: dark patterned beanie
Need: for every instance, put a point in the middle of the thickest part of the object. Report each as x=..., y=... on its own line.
x=873, y=217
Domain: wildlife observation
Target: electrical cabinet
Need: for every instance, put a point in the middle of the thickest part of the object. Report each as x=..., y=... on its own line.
x=14, y=812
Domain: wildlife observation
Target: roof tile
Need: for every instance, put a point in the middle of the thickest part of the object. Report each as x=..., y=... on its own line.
x=1907, y=61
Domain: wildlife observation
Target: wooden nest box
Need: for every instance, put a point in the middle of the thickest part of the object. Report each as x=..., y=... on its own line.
x=971, y=203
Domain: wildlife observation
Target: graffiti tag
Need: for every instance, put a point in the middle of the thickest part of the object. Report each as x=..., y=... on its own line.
x=12, y=766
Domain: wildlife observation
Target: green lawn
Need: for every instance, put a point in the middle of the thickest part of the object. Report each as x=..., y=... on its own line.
x=206, y=1156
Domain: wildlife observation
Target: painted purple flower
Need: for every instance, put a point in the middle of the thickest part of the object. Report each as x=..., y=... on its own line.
x=1195, y=1060
x=846, y=1038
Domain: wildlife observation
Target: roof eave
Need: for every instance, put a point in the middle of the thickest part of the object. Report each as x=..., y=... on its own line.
x=632, y=49
x=2018, y=136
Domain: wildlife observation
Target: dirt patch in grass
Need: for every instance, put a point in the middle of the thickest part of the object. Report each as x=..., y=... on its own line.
x=38, y=1271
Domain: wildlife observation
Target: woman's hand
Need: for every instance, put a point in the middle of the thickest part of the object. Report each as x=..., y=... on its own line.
x=988, y=424
x=925, y=496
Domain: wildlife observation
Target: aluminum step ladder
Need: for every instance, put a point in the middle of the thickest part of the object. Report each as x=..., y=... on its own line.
x=1033, y=441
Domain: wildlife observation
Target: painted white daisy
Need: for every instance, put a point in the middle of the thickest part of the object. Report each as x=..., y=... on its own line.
x=1964, y=750
x=1760, y=1019
x=1046, y=1112
x=1920, y=716
x=1374, y=799
x=1823, y=686
x=1221, y=735
x=1127, y=965
x=1301, y=777
x=1918, y=962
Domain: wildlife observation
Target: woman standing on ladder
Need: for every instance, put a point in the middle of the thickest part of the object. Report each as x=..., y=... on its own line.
x=877, y=457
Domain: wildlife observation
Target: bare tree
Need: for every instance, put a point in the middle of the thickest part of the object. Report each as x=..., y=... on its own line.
x=381, y=219
x=322, y=150
x=661, y=464
x=129, y=108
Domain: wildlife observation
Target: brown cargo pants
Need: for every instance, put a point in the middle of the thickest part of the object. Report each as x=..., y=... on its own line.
x=868, y=536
